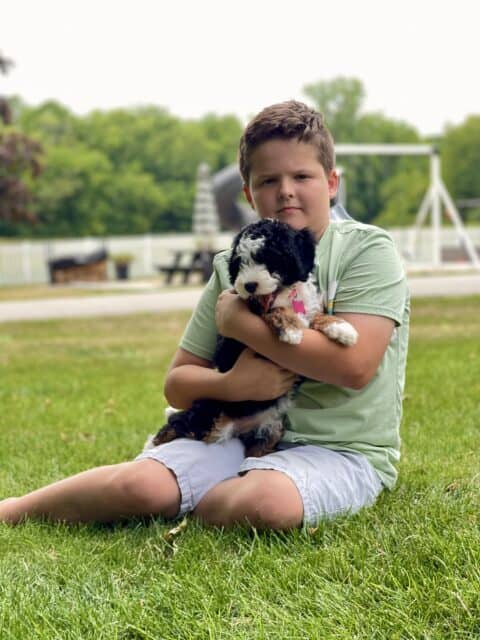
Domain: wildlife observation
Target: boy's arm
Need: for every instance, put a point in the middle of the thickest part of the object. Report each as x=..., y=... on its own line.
x=316, y=357
x=191, y=378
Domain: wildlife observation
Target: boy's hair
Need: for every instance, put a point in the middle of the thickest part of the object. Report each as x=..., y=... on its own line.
x=287, y=120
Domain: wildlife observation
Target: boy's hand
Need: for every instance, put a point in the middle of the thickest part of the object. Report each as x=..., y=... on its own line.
x=230, y=312
x=255, y=378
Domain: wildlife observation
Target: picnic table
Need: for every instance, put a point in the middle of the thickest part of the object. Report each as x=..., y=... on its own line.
x=188, y=262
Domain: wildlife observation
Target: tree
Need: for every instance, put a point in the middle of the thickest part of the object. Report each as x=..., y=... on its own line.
x=402, y=195
x=5, y=111
x=51, y=122
x=341, y=101
x=71, y=195
x=460, y=149
x=19, y=158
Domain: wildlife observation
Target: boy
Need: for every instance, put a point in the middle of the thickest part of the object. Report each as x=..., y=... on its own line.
x=342, y=436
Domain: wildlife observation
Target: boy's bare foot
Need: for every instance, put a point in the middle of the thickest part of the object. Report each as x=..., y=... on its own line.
x=8, y=513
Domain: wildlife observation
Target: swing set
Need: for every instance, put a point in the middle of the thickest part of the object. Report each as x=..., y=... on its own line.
x=436, y=196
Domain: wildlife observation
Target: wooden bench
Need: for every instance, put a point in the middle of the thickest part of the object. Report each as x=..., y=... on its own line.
x=187, y=263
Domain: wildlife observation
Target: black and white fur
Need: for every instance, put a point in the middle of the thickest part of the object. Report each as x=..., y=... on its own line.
x=270, y=267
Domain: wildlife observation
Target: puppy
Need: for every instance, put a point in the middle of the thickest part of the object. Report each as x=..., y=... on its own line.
x=270, y=267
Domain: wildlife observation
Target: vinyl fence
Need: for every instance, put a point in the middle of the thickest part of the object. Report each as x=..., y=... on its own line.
x=26, y=262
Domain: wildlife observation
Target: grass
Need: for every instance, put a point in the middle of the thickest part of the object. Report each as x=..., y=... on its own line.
x=80, y=393
x=46, y=291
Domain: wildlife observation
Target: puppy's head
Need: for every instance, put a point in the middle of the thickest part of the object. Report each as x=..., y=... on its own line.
x=269, y=255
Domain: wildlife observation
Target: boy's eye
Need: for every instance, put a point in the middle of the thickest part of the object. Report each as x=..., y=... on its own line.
x=268, y=180
x=302, y=176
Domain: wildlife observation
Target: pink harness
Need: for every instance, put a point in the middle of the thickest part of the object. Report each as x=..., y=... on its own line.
x=297, y=302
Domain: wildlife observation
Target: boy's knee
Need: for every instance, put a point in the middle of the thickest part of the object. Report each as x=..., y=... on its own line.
x=265, y=506
x=146, y=487
x=265, y=499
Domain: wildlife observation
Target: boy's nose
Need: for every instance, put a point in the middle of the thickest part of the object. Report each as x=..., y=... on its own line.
x=286, y=189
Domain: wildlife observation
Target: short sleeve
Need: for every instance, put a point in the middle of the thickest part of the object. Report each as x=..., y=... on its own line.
x=200, y=335
x=372, y=280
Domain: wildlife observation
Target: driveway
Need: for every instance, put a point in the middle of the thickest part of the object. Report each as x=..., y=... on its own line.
x=158, y=302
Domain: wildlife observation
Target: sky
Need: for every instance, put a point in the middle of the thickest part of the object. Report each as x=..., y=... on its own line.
x=417, y=60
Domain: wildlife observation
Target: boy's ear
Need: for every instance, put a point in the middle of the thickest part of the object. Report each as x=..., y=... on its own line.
x=248, y=196
x=333, y=182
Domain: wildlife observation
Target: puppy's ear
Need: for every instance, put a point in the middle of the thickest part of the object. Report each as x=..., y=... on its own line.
x=234, y=260
x=305, y=243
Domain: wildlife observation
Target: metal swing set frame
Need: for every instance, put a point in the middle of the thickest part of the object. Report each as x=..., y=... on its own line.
x=436, y=196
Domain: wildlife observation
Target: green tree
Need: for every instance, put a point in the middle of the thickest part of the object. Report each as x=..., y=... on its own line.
x=123, y=170
x=341, y=101
x=367, y=176
x=51, y=122
x=460, y=152
x=135, y=201
x=72, y=193
x=19, y=159
x=152, y=141
x=402, y=195
x=223, y=134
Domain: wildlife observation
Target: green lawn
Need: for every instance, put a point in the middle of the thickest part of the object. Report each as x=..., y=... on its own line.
x=80, y=393
x=46, y=291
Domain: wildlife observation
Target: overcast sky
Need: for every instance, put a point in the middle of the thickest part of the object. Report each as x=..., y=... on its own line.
x=418, y=59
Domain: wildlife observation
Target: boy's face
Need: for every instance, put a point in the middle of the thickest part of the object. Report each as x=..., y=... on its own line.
x=288, y=183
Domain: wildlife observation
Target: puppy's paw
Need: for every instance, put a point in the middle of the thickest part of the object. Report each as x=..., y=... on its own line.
x=342, y=332
x=291, y=336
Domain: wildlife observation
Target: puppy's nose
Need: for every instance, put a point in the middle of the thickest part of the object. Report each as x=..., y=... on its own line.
x=251, y=287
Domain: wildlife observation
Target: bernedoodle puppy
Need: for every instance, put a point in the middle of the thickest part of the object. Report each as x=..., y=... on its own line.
x=270, y=267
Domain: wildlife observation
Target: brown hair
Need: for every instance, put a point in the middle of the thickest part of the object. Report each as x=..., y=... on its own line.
x=287, y=120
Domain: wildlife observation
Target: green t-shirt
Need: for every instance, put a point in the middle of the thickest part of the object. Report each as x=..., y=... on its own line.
x=358, y=268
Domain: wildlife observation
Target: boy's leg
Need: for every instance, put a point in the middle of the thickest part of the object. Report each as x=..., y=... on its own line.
x=198, y=467
x=282, y=490
x=262, y=498
x=103, y=494
x=168, y=480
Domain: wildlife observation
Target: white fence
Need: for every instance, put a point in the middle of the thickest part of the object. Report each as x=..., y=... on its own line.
x=26, y=262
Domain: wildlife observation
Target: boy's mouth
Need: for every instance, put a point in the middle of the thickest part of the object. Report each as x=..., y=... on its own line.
x=289, y=209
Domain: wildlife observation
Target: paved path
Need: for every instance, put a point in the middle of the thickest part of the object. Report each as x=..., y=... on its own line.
x=451, y=285
x=99, y=305
x=155, y=302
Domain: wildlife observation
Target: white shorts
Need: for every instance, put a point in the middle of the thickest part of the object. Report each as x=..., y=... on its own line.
x=330, y=483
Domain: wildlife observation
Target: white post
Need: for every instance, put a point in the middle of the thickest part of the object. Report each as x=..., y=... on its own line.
x=436, y=194
x=147, y=254
x=419, y=220
x=452, y=212
x=411, y=251
x=436, y=210
x=424, y=207
x=26, y=262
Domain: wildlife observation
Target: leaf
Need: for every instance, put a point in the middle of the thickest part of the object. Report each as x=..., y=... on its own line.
x=170, y=536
